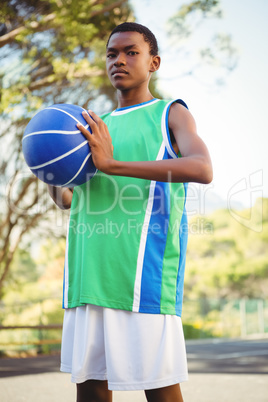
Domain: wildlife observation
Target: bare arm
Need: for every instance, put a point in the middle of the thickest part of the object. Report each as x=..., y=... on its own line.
x=62, y=196
x=195, y=161
x=194, y=166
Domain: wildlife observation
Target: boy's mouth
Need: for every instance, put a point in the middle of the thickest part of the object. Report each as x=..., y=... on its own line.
x=119, y=71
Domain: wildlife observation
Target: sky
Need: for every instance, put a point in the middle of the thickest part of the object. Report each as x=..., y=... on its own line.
x=232, y=118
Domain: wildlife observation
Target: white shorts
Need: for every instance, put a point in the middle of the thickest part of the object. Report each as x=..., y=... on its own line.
x=132, y=351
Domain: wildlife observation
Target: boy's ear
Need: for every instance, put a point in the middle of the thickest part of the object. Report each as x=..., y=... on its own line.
x=155, y=64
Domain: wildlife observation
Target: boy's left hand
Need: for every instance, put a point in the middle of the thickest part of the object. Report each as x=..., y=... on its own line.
x=100, y=141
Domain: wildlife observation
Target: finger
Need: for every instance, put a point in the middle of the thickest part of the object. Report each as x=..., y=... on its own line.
x=87, y=117
x=94, y=116
x=97, y=125
x=84, y=131
x=98, y=120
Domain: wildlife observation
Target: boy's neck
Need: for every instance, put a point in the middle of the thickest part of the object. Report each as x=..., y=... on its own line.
x=128, y=98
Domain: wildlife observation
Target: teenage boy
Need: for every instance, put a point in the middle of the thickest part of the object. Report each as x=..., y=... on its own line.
x=126, y=246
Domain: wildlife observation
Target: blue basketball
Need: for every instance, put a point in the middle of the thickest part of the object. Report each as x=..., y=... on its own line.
x=55, y=150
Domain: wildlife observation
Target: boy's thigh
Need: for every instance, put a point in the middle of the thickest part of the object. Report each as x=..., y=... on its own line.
x=93, y=390
x=166, y=394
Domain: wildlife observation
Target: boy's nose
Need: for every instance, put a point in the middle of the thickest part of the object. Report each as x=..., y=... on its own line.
x=120, y=60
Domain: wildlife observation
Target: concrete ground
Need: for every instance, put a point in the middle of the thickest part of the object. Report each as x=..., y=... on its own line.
x=200, y=388
x=219, y=371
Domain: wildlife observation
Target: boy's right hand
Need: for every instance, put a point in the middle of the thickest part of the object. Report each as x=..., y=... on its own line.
x=100, y=141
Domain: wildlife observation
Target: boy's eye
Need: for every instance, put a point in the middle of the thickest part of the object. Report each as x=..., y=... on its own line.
x=132, y=53
x=110, y=55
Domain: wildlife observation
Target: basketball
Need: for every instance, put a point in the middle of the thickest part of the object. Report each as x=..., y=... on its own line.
x=55, y=150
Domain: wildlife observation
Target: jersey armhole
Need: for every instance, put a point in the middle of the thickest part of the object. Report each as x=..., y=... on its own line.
x=165, y=128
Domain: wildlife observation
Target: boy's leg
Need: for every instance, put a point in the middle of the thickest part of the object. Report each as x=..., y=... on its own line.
x=166, y=394
x=93, y=391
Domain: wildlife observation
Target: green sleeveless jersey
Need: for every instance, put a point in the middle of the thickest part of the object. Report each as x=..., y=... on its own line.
x=127, y=237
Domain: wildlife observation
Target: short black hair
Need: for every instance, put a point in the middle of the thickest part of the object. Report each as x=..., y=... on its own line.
x=134, y=27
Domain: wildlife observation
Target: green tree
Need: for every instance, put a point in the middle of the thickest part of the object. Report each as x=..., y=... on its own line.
x=51, y=51
x=230, y=261
x=217, y=57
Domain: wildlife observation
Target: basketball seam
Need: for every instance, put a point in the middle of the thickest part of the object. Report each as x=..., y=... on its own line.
x=79, y=170
x=53, y=132
x=63, y=111
x=59, y=157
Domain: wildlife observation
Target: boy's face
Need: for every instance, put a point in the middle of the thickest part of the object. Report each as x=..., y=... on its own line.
x=128, y=60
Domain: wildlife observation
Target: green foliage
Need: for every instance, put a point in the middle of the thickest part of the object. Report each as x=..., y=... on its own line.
x=181, y=23
x=34, y=287
x=206, y=7
x=33, y=297
x=192, y=331
x=55, y=49
x=51, y=51
x=218, y=56
x=231, y=260
x=23, y=270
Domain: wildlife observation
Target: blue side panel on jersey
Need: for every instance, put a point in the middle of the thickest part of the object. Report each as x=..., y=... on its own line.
x=155, y=246
x=183, y=247
x=154, y=250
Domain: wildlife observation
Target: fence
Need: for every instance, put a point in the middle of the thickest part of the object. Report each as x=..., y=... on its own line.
x=35, y=337
x=226, y=318
x=31, y=327
x=36, y=327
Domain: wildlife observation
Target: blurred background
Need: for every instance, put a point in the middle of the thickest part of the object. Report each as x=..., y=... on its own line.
x=214, y=57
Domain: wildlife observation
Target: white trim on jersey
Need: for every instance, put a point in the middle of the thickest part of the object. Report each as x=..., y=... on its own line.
x=66, y=272
x=165, y=133
x=132, y=108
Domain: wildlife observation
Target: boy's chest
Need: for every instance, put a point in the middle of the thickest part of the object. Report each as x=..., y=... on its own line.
x=133, y=141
